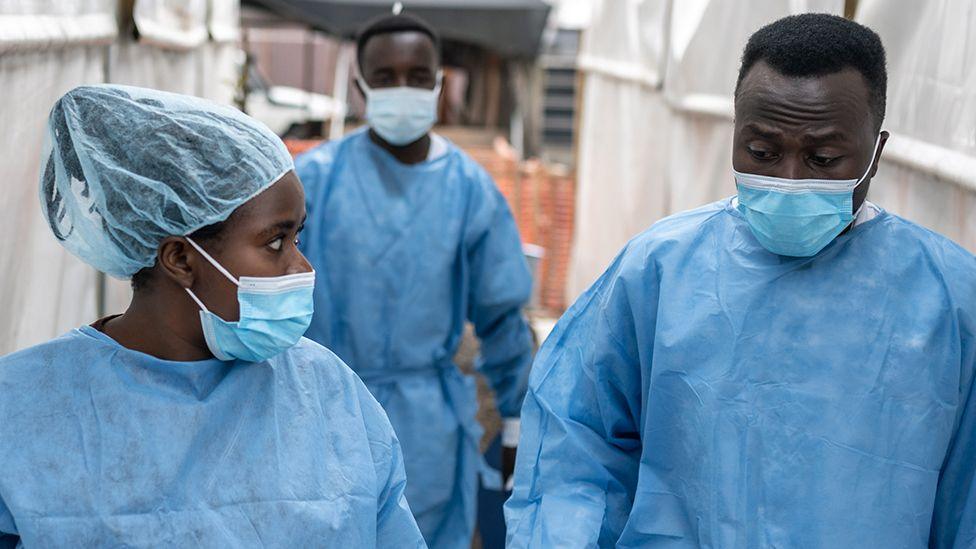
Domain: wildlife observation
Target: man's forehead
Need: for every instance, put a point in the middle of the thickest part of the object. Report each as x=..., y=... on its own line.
x=838, y=99
x=399, y=47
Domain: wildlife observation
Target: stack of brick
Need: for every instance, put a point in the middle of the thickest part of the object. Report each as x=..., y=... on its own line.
x=542, y=199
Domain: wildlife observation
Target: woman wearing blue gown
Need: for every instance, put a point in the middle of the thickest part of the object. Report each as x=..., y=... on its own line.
x=199, y=417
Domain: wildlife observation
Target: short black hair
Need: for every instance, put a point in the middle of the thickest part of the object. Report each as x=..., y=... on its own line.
x=816, y=44
x=386, y=24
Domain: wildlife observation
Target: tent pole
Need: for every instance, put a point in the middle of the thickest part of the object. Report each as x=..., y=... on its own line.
x=340, y=89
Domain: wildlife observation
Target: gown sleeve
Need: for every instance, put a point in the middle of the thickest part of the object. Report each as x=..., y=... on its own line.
x=500, y=286
x=954, y=516
x=580, y=447
x=8, y=536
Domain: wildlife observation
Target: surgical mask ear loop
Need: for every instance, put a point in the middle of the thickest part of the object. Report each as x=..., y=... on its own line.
x=197, y=300
x=213, y=261
x=220, y=268
x=874, y=153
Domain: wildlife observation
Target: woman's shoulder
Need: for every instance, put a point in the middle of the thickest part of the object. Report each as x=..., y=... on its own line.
x=65, y=348
x=337, y=384
x=307, y=353
x=308, y=359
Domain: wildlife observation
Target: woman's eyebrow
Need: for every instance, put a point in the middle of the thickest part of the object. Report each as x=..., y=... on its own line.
x=278, y=227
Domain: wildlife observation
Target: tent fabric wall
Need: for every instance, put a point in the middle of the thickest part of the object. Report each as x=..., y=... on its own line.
x=39, y=24
x=48, y=47
x=172, y=25
x=622, y=134
x=43, y=289
x=656, y=123
x=929, y=168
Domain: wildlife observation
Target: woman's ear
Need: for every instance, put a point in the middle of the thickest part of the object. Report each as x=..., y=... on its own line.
x=174, y=261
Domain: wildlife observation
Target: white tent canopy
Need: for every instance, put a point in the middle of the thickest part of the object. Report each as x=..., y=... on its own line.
x=656, y=124
x=48, y=47
x=929, y=168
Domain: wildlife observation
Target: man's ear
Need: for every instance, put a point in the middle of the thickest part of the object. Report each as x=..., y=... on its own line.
x=175, y=262
x=359, y=87
x=877, y=156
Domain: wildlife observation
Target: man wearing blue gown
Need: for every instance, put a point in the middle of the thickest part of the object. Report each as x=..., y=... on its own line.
x=411, y=238
x=792, y=367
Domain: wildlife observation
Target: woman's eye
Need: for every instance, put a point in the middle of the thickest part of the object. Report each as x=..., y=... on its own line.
x=276, y=244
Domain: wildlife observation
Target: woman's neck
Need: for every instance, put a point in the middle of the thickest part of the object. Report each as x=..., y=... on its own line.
x=158, y=326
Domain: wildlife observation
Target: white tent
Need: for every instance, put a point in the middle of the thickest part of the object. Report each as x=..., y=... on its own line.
x=656, y=123
x=46, y=48
x=929, y=170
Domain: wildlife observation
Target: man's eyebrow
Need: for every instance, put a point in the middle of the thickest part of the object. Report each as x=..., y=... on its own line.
x=761, y=131
x=381, y=71
x=825, y=137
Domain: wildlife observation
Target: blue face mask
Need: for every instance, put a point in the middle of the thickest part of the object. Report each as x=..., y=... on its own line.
x=274, y=314
x=401, y=115
x=797, y=217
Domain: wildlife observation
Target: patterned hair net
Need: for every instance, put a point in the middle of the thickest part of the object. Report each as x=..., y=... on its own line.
x=126, y=167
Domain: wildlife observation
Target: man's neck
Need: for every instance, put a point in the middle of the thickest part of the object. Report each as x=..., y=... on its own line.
x=412, y=153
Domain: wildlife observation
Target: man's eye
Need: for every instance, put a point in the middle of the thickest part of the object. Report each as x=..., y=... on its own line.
x=276, y=243
x=823, y=161
x=760, y=154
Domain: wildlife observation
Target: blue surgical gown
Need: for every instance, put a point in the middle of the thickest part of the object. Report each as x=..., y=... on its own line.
x=104, y=446
x=405, y=254
x=707, y=393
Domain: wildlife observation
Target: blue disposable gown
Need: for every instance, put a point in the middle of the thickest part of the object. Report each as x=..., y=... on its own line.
x=405, y=254
x=104, y=446
x=707, y=393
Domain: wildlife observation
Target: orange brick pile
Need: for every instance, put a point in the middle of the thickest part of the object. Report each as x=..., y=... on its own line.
x=542, y=200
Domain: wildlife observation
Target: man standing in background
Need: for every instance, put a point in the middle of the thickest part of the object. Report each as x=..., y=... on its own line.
x=410, y=239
